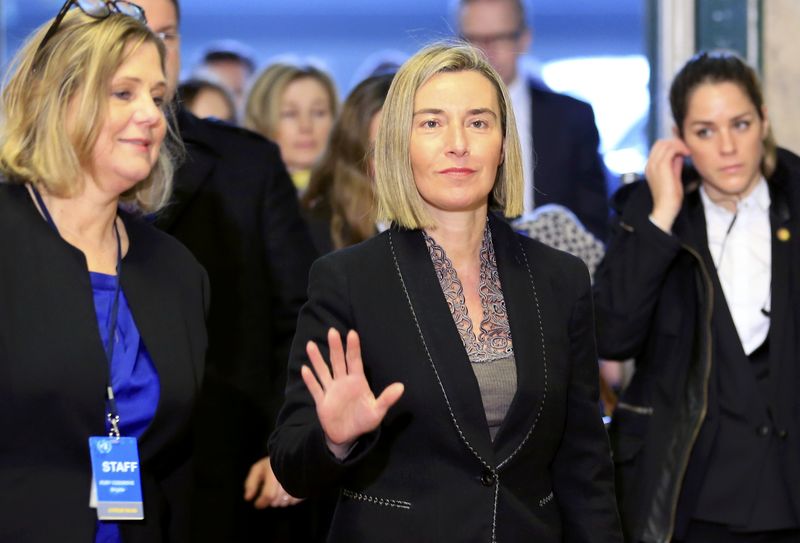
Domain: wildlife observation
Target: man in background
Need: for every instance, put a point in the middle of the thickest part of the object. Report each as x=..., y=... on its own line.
x=236, y=209
x=558, y=134
x=229, y=63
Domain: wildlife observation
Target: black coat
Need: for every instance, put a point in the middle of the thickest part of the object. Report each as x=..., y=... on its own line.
x=655, y=302
x=430, y=472
x=53, y=376
x=236, y=210
x=568, y=169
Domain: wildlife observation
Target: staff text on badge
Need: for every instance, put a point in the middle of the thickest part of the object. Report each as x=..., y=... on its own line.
x=115, y=471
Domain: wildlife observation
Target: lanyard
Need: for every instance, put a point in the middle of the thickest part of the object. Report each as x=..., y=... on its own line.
x=112, y=414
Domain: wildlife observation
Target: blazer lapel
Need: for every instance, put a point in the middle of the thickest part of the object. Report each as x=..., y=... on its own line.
x=193, y=173
x=450, y=363
x=159, y=326
x=526, y=318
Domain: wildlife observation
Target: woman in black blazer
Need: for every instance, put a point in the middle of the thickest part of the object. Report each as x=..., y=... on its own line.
x=699, y=285
x=101, y=316
x=494, y=436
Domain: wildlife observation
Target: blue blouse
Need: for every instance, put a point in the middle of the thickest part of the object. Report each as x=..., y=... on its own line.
x=133, y=375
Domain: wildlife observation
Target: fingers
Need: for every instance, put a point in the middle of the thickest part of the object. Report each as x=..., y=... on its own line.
x=271, y=488
x=663, y=172
x=312, y=384
x=354, y=363
x=318, y=363
x=337, y=353
x=388, y=398
x=341, y=363
x=257, y=483
x=253, y=481
x=665, y=151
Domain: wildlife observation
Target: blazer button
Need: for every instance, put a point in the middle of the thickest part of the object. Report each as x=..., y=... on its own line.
x=783, y=434
x=762, y=430
x=487, y=478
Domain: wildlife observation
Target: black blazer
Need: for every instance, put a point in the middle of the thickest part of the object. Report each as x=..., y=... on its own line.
x=52, y=376
x=658, y=301
x=431, y=472
x=236, y=210
x=567, y=167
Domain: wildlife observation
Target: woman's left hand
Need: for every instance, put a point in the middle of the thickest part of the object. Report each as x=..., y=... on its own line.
x=261, y=481
x=346, y=406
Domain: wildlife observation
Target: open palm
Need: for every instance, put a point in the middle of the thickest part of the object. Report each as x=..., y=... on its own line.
x=346, y=406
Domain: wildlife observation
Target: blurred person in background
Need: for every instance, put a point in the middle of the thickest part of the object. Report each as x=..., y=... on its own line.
x=699, y=286
x=560, y=142
x=236, y=209
x=231, y=63
x=102, y=317
x=206, y=99
x=295, y=107
x=339, y=203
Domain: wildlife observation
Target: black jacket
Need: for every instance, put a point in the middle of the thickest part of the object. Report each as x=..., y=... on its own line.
x=236, y=210
x=53, y=375
x=568, y=169
x=655, y=298
x=431, y=471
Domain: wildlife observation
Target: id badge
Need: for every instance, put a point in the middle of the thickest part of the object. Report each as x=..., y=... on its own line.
x=116, y=482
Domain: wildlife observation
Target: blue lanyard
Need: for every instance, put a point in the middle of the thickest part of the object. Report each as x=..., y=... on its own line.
x=112, y=415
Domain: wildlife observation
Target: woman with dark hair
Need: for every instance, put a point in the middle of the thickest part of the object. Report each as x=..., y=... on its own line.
x=340, y=200
x=102, y=329
x=698, y=286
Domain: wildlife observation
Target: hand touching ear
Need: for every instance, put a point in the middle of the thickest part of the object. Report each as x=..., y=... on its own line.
x=663, y=174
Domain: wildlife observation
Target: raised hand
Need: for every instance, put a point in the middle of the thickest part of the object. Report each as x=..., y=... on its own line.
x=346, y=406
x=663, y=174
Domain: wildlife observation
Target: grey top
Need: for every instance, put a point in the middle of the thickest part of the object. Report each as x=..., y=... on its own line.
x=492, y=351
x=498, y=383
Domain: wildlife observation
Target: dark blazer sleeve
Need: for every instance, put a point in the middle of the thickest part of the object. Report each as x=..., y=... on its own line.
x=299, y=455
x=582, y=469
x=628, y=280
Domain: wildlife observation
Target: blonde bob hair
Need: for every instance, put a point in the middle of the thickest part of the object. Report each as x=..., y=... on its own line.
x=69, y=78
x=399, y=200
x=263, y=108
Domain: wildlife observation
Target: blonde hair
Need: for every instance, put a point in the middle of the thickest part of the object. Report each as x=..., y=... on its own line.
x=398, y=198
x=263, y=107
x=70, y=76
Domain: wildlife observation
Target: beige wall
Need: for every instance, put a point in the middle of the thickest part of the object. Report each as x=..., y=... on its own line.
x=781, y=69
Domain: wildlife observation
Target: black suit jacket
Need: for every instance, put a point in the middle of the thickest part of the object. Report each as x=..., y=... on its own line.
x=236, y=210
x=567, y=167
x=658, y=302
x=53, y=376
x=430, y=472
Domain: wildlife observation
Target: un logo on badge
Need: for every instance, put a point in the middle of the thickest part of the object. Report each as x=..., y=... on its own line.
x=104, y=446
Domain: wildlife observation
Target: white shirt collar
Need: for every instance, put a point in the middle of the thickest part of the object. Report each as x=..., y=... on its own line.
x=740, y=245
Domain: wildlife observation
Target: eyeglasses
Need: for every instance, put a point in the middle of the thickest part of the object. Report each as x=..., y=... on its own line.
x=99, y=9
